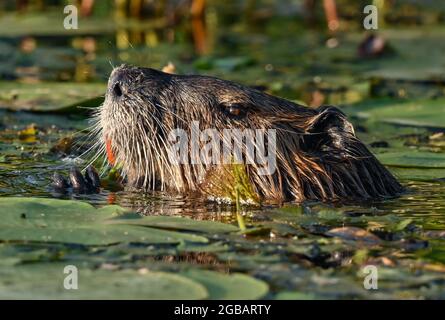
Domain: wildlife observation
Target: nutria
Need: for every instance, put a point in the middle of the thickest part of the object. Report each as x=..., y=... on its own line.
x=318, y=156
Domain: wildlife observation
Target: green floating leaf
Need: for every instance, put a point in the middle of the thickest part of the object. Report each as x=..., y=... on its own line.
x=178, y=223
x=67, y=221
x=233, y=63
x=403, y=224
x=437, y=253
x=413, y=159
x=282, y=229
x=194, y=247
x=236, y=286
x=96, y=235
x=422, y=113
x=51, y=97
x=15, y=254
x=226, y=64
x=46, y=281
x=36, y=24
x=295, y=295
x=248, y=260
x=43, y=212
x=418, y=174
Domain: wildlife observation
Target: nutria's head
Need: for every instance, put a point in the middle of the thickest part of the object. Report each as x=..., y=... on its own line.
x=315, y=154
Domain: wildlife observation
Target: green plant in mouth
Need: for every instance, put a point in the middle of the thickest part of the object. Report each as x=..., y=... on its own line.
x=243, y=190
x=242, y=187
x=230, y=182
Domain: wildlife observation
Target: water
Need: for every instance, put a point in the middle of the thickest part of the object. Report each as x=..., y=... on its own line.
x=291, y=250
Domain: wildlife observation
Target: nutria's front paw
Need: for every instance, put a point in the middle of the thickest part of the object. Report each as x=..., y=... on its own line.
x=78, y=183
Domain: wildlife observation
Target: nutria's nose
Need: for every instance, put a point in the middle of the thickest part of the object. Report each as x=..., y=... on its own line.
x=117, y=90
x=117, y=81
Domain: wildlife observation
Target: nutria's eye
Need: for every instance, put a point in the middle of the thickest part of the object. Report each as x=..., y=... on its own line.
x=236, y=110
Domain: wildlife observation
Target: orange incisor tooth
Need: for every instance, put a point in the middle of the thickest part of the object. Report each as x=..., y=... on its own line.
x=110, y=155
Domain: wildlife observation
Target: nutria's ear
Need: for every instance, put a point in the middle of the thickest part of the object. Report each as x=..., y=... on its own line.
x=330, y=117
x=329, y=128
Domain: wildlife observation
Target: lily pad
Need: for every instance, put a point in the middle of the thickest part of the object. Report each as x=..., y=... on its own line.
x=46, y=281
x=413, y=159
x=95, y=235
x=420, y=113
x=236, y=286
x=178, y=223
x=418, y=174
x=295, y=295
x=50, y=23
x=54, y=220
x=43, y=212
x=51, y=97
x=226, y=64
x=194, y=247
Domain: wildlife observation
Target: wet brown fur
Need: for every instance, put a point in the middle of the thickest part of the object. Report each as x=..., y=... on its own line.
x=318, y=155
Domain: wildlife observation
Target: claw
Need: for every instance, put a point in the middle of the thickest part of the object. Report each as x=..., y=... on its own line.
x=92, y=178
x=80, y=184
x=77, y=181
x=60, y=184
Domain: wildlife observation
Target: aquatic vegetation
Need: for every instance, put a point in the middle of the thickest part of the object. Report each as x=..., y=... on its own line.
x=195, y=249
